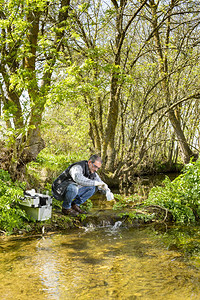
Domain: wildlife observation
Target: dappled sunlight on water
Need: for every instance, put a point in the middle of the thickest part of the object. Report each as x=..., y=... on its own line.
x=102, y=263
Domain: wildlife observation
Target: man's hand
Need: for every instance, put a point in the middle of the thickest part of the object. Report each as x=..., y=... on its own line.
x=102, y=185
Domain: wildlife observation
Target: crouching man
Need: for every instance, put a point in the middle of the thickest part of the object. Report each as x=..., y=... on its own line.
x=78, y=183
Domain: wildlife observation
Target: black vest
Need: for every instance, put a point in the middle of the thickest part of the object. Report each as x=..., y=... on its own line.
x=60, y=184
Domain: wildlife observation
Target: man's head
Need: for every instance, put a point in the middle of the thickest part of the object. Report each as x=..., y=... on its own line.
x=94, y=163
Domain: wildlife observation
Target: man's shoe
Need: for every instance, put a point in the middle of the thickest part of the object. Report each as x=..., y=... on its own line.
x=78, y=209
x=69, y=212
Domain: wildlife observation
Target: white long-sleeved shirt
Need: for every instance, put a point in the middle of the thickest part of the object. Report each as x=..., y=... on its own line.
x=76, y=173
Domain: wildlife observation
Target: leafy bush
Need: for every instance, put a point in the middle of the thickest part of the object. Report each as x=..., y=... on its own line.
x=11, y=215
x=126, y=202
x=180, y=196
x=87, y=205
x=135, y=215
x=58, y=161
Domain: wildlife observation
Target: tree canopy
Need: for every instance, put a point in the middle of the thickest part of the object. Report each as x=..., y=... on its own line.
x=126, y=73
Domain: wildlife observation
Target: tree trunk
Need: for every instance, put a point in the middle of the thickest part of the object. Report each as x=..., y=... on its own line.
x=186, y=152
x=108, y=149
x=26, y=142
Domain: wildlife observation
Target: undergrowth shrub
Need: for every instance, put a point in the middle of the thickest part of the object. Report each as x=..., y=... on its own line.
x=48, y=166
x=126, y=201
x=11, y=215
x=56, y=162
x=180, y=196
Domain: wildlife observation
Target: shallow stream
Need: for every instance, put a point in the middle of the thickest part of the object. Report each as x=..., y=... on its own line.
x=104, y=263
x=101, y=263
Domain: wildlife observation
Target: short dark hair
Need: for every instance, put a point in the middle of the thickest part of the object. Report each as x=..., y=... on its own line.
x=95, y=157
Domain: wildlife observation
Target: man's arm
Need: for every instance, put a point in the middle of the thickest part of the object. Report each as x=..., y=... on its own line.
x=104, y=186
x=76, y=173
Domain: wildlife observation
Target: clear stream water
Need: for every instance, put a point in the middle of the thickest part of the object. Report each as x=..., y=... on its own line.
x=101, y=263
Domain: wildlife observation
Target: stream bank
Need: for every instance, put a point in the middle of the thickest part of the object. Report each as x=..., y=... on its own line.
x=101, y=214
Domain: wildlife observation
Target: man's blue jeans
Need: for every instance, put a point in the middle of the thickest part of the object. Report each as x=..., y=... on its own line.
x=80, y=195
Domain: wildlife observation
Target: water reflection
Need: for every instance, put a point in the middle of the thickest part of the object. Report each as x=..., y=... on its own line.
x=101, y=263
x=47, y=265
x=141, y=185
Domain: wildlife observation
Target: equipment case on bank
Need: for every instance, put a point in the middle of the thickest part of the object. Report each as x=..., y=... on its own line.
x=36, y=205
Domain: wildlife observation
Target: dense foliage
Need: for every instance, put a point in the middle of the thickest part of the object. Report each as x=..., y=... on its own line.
x=11, y=215
x=181, y=197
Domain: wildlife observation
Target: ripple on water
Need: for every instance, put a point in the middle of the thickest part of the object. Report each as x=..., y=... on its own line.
x=102, y=263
